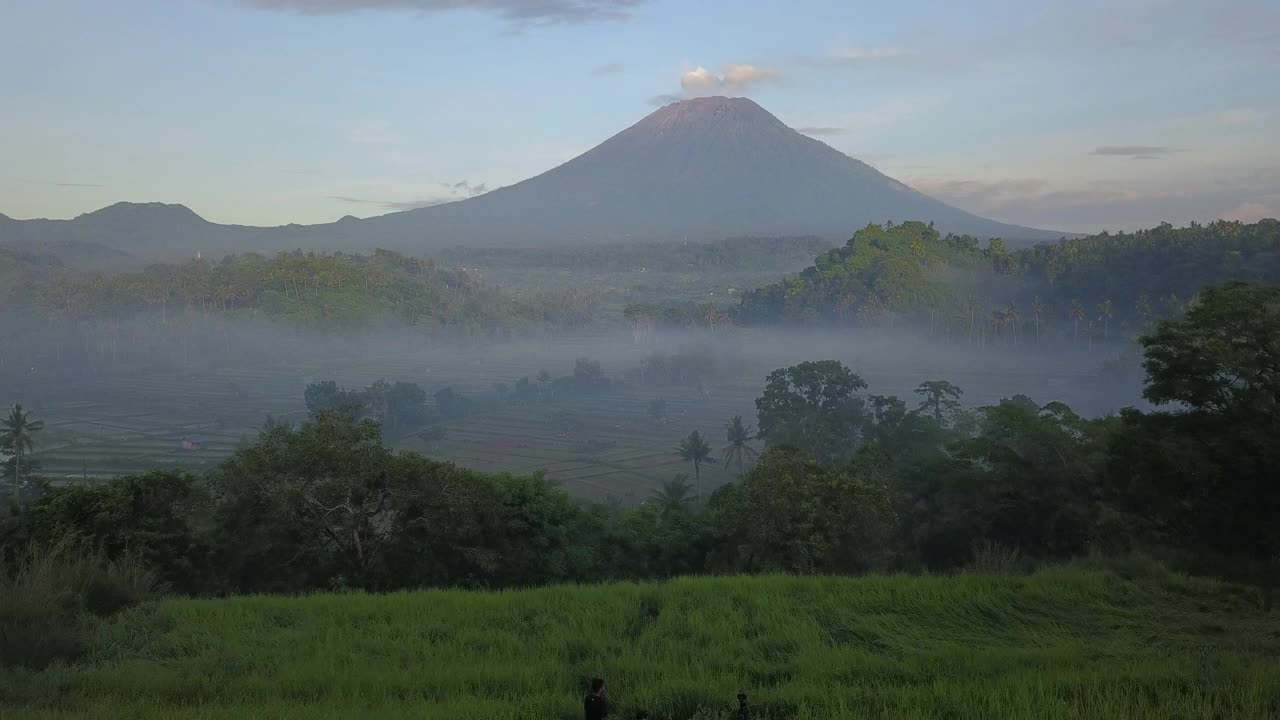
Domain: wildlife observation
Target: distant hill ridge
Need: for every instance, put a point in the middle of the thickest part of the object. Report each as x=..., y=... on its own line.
x=699, y=169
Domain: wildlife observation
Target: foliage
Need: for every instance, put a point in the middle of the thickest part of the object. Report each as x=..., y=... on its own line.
x=326, y=292
x=1061, y=644
x=792, y=514
x=396, y=406
x=940, y=398
x=673, y=496
x=981, y=489
x=881, y=273
x=1204, y=470
x=814, y=406
x=16, y=438
x=848, y=481
x=738, y=437
x=156, y=518
x=695, y=449
x=909, y=274
x=50, y=592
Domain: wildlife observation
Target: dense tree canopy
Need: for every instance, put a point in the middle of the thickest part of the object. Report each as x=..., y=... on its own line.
x=1104, y=287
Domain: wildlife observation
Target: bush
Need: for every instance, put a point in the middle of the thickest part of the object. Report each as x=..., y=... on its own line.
x=996, y=559
x=50, y=596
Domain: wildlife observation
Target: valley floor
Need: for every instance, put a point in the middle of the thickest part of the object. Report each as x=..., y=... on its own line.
x=1069, y=642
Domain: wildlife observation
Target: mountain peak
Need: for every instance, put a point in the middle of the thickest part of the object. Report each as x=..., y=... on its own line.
x=709, y=111
x=131, y=211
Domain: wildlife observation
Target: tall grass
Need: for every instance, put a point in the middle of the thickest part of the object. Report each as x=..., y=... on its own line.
x=50, y=594
x=1058, y=644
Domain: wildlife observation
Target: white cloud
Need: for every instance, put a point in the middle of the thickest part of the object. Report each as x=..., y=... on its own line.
x=540, y=11
x=853, y=56
x=1250, y=212
x=732, y=80
x=607, y=69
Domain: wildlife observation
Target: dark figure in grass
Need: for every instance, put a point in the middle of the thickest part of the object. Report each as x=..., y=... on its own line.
x=595, y=707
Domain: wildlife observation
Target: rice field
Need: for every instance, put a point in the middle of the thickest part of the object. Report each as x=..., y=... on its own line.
x=1063, y=643
x=602, y=447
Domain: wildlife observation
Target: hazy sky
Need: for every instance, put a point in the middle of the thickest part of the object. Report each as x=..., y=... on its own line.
x=1067, y=115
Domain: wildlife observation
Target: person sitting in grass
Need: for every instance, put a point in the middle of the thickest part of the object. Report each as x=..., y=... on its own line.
x=595, y=707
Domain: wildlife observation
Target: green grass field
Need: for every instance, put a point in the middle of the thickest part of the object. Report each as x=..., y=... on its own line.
x=1062, y=643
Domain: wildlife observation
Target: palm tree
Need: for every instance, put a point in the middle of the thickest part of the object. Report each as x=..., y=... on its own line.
x=1013, y=315
x=695, y=449
x=1142, y=307
x=738, y=435
x=1077, y=314
x=672, y=495
x=1105, y=314
x=1036, y=310
x=15, y=436
x=997, y=322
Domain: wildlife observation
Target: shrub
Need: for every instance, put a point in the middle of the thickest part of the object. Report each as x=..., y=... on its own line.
x=52, y=593
x=996, y=559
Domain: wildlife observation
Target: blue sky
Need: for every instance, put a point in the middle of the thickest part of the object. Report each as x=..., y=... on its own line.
x=1068, y=115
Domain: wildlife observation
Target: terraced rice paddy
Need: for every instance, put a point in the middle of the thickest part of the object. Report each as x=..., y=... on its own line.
x=604, y=446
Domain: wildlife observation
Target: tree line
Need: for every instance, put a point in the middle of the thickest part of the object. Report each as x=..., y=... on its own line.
x=1077, y=291
x=848, y=481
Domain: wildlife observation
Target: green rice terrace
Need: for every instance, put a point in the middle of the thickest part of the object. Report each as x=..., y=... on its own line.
x=605, y=445
x=1125, y=641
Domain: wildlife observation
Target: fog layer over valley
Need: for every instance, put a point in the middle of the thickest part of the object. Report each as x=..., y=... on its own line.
x=143, y=395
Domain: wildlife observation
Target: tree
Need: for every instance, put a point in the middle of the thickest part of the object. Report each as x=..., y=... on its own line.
x=813, y=406
x=16, y=433
x=792, y=514
x=658, y=409
x=673, y=495
x=305, y=504
x=1028, y=478
x=157, y=517
x=1105, y=313
x=326, y=395
x=738, y=437
x=433, y=435
x=1037, y=309
x=940, y=398
x=1077, y=314
x=1203, y=466
x=695, y=449
x=1142, y=308
x=1222, y=358
x=1013, y=316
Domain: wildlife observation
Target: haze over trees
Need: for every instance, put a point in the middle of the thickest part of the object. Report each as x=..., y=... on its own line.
x=848, y=482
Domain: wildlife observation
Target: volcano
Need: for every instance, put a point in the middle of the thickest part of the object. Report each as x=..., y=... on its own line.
x=706, y=168
x=700, y=169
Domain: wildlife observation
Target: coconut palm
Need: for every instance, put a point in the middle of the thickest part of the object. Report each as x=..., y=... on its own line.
x=1013, y=315
x=1077, y=314
x=672, y=495
x=1037, y=309
x=1105, y=314
x=738, y=435
x=16, y=432
x=694, y=449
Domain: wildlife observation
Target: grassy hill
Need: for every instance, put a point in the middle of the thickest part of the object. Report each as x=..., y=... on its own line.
x=1071, y=642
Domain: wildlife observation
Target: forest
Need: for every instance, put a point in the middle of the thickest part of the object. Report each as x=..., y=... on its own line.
x=1077, y=290
x=832, y=479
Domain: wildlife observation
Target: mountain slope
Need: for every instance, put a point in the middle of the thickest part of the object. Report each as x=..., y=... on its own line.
x=700, y=169
x=703, y=168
